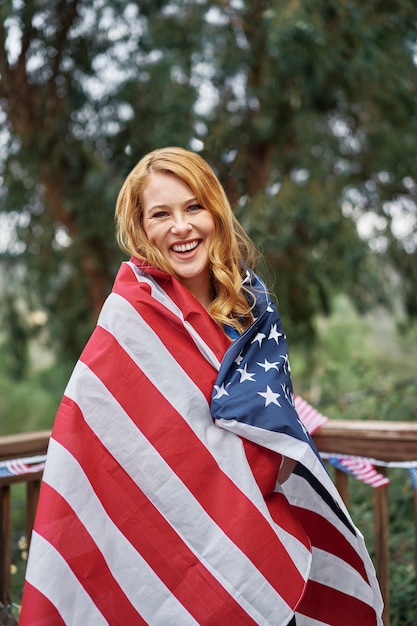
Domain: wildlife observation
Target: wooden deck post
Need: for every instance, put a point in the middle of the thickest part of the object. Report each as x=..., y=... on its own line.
x=32, y=496
x=381, y=526
x=5, y=545
x=342, y=485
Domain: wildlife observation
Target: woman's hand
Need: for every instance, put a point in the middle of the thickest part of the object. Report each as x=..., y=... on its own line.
x=287, y=466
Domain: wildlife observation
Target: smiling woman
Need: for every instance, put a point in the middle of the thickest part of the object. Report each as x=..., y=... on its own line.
x=172, y=197
x=181, y=486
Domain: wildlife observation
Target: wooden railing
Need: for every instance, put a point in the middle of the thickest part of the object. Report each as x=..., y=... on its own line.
x=385, y=441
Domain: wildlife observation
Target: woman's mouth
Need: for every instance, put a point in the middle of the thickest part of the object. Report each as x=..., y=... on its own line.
x=185, y=247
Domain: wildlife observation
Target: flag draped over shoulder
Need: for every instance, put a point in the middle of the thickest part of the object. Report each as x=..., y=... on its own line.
x=152, y=512
x=253, y=398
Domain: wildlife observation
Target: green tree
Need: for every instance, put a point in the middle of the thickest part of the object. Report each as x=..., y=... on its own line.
x=306, y=111
x=84, y=87
x=315, y=121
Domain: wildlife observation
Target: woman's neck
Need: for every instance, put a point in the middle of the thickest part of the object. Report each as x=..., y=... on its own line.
x=202, y=294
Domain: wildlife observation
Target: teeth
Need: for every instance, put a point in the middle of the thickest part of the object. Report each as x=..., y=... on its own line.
x=185, y=247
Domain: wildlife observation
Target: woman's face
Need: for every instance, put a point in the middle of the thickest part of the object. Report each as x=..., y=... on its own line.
x=181, y=229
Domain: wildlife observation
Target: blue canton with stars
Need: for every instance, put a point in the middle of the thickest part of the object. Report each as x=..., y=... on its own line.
x=253, y=385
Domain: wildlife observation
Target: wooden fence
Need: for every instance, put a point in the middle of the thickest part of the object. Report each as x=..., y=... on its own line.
x=385, y=441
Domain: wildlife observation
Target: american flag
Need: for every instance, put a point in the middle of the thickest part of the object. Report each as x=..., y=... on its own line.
x=311, y=418
x=26, y=465
x=361, y=468
x=151, y=512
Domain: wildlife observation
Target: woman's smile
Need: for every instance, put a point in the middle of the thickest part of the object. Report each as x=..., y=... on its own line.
x=185, y=247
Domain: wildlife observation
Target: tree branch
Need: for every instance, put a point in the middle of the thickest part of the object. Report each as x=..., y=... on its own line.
x=61, y=38
x=4, y=62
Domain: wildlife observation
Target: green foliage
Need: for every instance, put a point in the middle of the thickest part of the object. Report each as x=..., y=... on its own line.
x=24, y=407
x=360, y=367
x=306, y=112
x=31, y=403
x=15, y=349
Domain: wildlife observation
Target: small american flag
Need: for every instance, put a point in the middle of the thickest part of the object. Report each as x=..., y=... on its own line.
x=18, y=467
x=311, y=418
x=361, y=468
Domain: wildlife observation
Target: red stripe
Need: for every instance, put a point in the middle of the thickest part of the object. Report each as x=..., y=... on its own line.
x=144, y=527
x=184, y=452
x=37, y=610
x=191, y=309
x=57, y=522
x=331, y=606
x=265, y=466
x=178, y=343
x=160, y=318
x=182, y=348
x=325, y=536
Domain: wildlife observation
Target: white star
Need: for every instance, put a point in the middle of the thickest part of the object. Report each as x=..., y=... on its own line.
x=269, y=366
x=244, y=374
x=259, y=337
x=287, y=367
x=274, y=334
x=270, y=396
x=269, y=307
x=239, y=359
x=220, y=391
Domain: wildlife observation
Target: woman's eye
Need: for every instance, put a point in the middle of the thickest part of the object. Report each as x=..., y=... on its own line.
x=194, y=207
x=159, y=214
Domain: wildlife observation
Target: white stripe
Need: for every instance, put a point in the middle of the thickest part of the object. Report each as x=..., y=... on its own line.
x=71, y=601
x=335, y=573
x=148, y=594
x=295, y=489
x=159, y=294
x=298, y=484
x=173, y=499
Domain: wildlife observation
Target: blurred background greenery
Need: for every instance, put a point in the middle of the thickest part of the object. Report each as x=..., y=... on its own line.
x=308, y=114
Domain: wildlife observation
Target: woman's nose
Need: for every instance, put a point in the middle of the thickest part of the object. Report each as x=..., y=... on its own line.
x=181, y=225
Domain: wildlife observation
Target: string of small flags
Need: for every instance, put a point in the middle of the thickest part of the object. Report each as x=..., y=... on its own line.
x=18, y=467
x=362, y=468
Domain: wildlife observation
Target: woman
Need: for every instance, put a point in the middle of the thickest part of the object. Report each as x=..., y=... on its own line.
x=181, y=486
